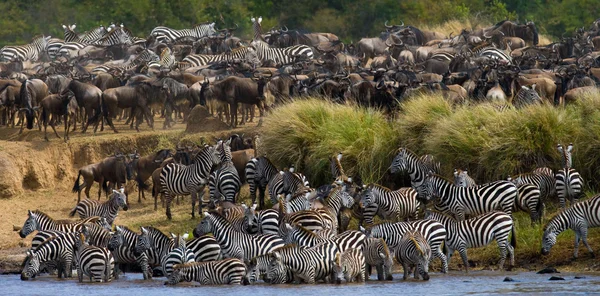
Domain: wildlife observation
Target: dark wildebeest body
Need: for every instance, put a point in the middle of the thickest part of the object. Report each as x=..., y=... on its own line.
x=57, y=83
x=111, y=169
x=56, y=106
x=89, y=97
x=121, y=97
x=144, y=168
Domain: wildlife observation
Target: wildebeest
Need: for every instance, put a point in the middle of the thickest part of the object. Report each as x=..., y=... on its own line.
x=89, y=97
x=113, y=169
x=56, y=106
x=145, y=166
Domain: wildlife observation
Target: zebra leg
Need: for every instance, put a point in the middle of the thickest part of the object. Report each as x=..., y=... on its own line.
x=439, y=254
x=585, y=242
x=502, y=246
x=577, y=240
x=463, y=254
x=79, y=273
x=406, y=270
x=168, y=197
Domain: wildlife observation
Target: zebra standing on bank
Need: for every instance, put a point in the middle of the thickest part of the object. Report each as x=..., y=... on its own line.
x=108, y=209
x=56, y=248
x=417, y=169
x=259, y=172
x=38, y=220
x=569, y=183
x=395, y=205
x=378, y=254
x=243, y=53
x=478, y=232
x=198, y=31
x=461, y=201
x=413, y=250
x=462, y=179
x=308, y=265
x=433, y=231
x=235, y=244
x=122, y=245
x=178, y=179
x=229, y=271
x=28, y=52
x=529, y=200
x=579, y=217
x=224, y=182
x=349, y=266
x=284, y=56
x=95, y=262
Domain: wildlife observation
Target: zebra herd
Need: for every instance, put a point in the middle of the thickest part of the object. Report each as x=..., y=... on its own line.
x=305, y=236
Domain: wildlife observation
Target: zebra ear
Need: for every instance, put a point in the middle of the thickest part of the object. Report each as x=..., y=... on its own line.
x=455, y=172
x=118, y=228
x=206, y=214
x=254, y=206
x=185, y=236
x=29, y=213
x=252, y=19
x=382, y=255
x=288, y=226
x=362, y=229
x=144, y=230
x=260, y=19
x=244, y=206
x=173, y=235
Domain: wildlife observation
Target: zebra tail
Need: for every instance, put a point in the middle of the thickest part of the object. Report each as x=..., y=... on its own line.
x=513, y=237
x=73, y=211
x=76, y=187
x=539, y=208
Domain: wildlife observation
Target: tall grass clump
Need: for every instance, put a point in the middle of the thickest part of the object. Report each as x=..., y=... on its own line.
x=307, y=132
x=418, y=118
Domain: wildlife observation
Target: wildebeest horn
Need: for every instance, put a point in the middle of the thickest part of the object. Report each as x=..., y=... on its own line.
x=386, y=25
x=402, y=24
x=450, y=35
x=286, y=29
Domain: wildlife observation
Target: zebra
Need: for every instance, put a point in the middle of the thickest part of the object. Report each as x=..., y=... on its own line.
x=229, y=271
x=303, y=237
x=53, y=47
x=38, y=220
x=529, y=200
x=292, y=182
x=431, y=164
x=543, y=181
x=95, y=262
x=96, y=34
x=309, y=219
x=378, y=254
x=494, y=53
x=569, y=183
x=180, y=254
x=235, y=244
x=350, y=266
x=417, y=169
x=259, y=172
x=413, y=249
x=122, y=244
x=178, y=179
x=108, y=209
x=300, y=201
x=224, y=182
x=56, y=248
x=259, y=265
x=28, y=52
x=118, y=36
x=337, y=200
x=527, y=96
x=70, y=35
x=244, y=53
x=262, y=222
x=478, y=232
x=205, y=248
x=335, y=164
x=154, y=243
x=308, y=265
x=198, y=31
x=461, y=201
x=282, y=56
x=244, y=221
x=462, y=179
x=579, y=217
x=433, y=231
x=395, y=205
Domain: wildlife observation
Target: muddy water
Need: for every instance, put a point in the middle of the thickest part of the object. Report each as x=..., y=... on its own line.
x=455, y=283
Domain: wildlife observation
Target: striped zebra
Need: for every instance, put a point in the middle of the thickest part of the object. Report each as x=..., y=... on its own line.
x=229, y=271
x=259, y=265
x=70, y=35
x=180, y=254
x=108, y=209
x=283, y=56
x=337, y=200
x=155, y=244
x=462, y=179
x=378, y=254
x=178, y=179
x=205, y=248
x=544, y=182
x=198, y=31
x=244, y=221
x=95, y=262
x=122, y=244
x=56, y=248
x=431, y=164
x=41, y=236
x=235, y=244
x=262, y=222
x=300, y=201
x=478, y=232
x=259, y=172
x=527, y=96
x=395, y=205
x=579, y=217
x=493, y=53
x=119, y=36
x=38, y=220
x=309, y=219
x=417, y=169
x=569, y=184
x=529, y=200
x=143, y=57
x=461, y=201
x=286, y=182
x=308, y=265
x=349, y=266
x=224, y=182
x=413, y=250
x=303, y=237
x=244, y=53
x=53, y=47
x=96, y=34
x=335, y=164
x=433, y=231
x=28, y=52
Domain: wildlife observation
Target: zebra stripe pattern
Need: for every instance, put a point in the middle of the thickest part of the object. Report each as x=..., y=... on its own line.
x=529, y=200
x=259, y=172
x=262, y=222
x=241, y=53
x=118, y=36
x=349, y=266
x=205, y=248
x=224, y=182
x=95, y=262
x=224, y=272
x=433, y=231
x=305, y=238
x=478, y=232
x=29, y=52
x=108, y=209
x=544, y=182
x=180, y=254
x=413, y=250
x=378, y=254
x=154, y=244
x=235, y=244
x=282, y=56
x=122, y=244
x=462, y=179
x=56, y=248
x=259, y=265
x=408, y=161
x=527, y=96
x=177, y=179
x=395, y=205
x=461, y=201
x=569, y=184
x=578, y=217
x=38, y=220
x=308, y=265
x=173, y=35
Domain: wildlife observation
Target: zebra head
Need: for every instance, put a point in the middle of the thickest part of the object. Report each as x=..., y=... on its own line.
x=175, y=277
x=400, y=162
x=32, y=266
x=205, y=226
x=117, y=239
x=121, y=198
x=143, y=243
x=102, y=222
x=347, y=199
x=368, y=197
x=548, y=240
x=250, y=215
x=252, y=271
x=31, y=224
x=276, y=270
x=460, y=178
x=428, y=189
x=388, y=260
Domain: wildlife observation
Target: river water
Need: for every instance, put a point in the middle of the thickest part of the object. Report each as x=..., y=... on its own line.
x=455, y=283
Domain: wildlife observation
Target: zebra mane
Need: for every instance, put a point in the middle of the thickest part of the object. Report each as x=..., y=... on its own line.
x=189, y=264
x=44, y=215
x=386, y=249
x=45, y=242
x=217, y=216
x=441, y=215
x=412, y=237
x=152, y=230
x=380, y=187
x=306, y=231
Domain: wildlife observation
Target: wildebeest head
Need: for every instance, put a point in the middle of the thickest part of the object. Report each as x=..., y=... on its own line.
x=27, y=104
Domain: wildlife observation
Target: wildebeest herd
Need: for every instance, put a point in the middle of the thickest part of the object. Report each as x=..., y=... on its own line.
x=304, y=235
